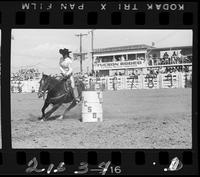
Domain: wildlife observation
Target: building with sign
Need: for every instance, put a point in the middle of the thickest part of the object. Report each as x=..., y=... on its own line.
x=120, y=60
x=125, y=60
x=171, y=55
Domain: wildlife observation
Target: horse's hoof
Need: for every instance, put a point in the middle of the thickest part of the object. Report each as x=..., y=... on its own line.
x=60, y=117
x=39, y=118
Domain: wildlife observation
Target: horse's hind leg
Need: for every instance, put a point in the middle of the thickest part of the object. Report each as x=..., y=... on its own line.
x=55, y=107
x=69, y=107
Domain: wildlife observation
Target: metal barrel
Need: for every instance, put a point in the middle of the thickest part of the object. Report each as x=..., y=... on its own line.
x=92, y=96
x=92, y=109
x=92, y=117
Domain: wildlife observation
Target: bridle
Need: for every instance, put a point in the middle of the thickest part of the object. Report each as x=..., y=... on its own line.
x=42, y=92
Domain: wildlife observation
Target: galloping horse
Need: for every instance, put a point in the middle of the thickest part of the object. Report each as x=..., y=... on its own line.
x=59, y=92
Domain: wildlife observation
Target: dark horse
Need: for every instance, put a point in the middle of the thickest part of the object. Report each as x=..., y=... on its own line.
x=59, y=92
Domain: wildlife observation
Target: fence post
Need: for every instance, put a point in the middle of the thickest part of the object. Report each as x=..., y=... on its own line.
x=159, y=81
x=142, y=81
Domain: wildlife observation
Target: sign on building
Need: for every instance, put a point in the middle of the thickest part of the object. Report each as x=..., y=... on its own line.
x=76, y=56
x=119, y=65
x=170, y=53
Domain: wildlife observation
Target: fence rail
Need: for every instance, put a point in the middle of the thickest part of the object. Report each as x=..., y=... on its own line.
x=172, y=80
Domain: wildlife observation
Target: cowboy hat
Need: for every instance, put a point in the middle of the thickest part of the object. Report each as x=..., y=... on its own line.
x=64, y=51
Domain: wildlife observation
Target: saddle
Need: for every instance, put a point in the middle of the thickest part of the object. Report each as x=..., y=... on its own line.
x=67, y=84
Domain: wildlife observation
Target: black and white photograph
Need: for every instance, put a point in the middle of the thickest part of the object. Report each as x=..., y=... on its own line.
x=101, y=88
x=0, y=90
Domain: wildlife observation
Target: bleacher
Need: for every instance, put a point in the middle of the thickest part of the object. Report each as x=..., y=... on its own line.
x=25, y=80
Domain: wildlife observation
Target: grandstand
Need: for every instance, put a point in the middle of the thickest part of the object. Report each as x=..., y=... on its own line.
x=25, y=80
x=126, y=60
x=132, y=67
x=25, y=74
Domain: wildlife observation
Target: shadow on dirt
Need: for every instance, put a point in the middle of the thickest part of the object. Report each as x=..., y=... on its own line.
x=53, y=118
x=33, y=118
x=74, y=116
x=70, y=115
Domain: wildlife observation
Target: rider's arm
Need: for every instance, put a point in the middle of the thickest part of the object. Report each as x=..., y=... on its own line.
x=69, y=71
x=69, y=67
x=62, y=70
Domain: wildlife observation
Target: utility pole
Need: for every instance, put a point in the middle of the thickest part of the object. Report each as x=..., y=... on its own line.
x=81, y=56
x=92, y=47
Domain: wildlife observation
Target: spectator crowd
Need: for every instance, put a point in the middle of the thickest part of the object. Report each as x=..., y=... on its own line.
x=167, y=60
x=25, y=74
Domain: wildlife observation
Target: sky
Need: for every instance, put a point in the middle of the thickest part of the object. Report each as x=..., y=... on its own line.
x=39, y=48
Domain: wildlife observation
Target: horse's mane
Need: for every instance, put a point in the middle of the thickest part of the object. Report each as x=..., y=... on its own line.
x=53, y=79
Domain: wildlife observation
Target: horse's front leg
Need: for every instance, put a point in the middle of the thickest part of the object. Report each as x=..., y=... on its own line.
x=46, y=104
x=55, y=107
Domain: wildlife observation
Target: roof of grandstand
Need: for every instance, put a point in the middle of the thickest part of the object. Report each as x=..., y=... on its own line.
x=123, y=48
x=172, y=48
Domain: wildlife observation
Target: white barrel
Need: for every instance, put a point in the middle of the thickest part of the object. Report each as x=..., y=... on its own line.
x=92, y=109
x=92, y=96
x=92, y=117
x=88, y=107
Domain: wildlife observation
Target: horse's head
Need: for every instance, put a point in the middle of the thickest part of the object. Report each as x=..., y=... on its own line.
x=44, y=84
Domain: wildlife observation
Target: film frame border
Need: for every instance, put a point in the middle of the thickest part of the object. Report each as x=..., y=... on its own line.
x=140, y=159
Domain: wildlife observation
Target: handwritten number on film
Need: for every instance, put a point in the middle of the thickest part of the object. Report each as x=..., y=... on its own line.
x=34, y=163
x=82, y=169
x=33, y=168
x=102, y=168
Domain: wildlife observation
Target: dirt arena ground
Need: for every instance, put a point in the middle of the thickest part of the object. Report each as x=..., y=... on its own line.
x=132, y=119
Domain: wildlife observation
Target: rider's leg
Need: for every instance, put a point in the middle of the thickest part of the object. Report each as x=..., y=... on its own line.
x=73, y=88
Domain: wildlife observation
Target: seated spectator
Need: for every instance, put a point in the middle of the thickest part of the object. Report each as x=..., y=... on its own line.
x=133, y=74
x=122, y=58
x=114, y=59
x=174, y=55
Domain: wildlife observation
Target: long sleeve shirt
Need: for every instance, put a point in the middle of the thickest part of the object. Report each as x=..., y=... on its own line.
x=65, y=66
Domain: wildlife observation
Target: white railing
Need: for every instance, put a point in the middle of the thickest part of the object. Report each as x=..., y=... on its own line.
x=25, y=86
x=172, y=80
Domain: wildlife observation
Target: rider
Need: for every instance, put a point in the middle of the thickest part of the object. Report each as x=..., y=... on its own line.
x=66, y=69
